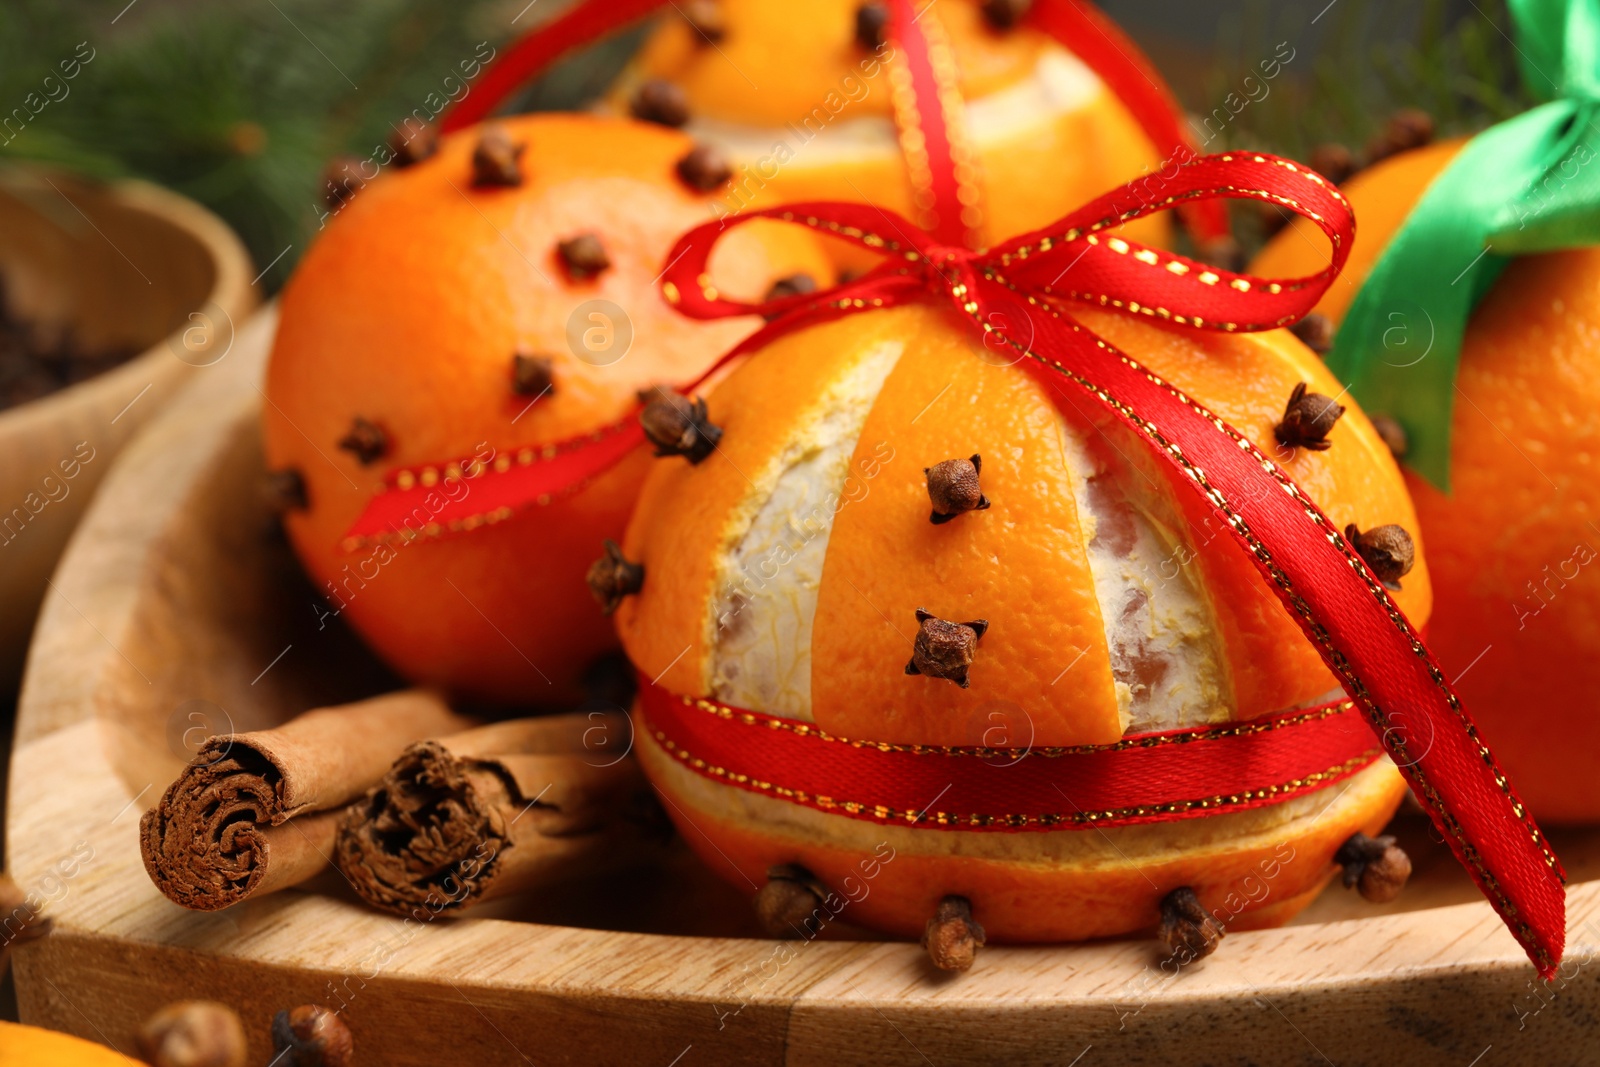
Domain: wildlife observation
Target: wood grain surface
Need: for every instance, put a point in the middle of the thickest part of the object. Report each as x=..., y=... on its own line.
x=177, y=598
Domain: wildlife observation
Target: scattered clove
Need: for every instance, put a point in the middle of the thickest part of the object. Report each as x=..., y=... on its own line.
x=872, y=24
x=340, y=181
x=284, y=490
x=413, y=143
x=704, y=167
x=662, y=102
x=367, y=441
x=1388, y=550
x=583, y=256
x=1393, y=434
x=311, y=1036
x=1316, y=332
x=705, y=19
x=953, y=488
x=614, y=576
x=951, y=937
x=1405, y=130
x=532, y=375
x=678, y=426
x=789, y=901
x=193, y=1033
x=1333, y=161
x=1187, y=928
x=1376, y=866
x=497, y=161
x=1005, y=14
x=1223, y=252
x=1307, y=420
x=945, y=649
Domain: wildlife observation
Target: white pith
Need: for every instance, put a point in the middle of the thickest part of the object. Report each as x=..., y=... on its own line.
x=767, y=584
x=1060, y=83
x=1168, y=665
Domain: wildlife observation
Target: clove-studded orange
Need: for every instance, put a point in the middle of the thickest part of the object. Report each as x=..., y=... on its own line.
x=442, y=316
x=1513, y=546
x=802, y=104
x=795, y=573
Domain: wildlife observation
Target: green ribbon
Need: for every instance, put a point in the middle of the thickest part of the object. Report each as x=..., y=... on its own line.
x=1530, y=184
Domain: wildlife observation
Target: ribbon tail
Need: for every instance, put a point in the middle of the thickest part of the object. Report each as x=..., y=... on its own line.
x=1341, y=607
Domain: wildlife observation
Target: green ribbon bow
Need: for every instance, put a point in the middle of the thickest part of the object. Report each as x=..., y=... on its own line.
x=1529, y=184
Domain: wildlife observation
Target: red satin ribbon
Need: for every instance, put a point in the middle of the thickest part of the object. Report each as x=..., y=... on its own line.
x=1017, y=298
x=1156, y=777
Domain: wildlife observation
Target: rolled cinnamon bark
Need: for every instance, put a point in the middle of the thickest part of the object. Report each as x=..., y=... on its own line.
x=253, y=813
x=498, y=810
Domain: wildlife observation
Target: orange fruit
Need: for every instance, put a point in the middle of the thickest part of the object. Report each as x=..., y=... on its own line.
x=1513, y=546
x=783, y=575
x=409, y=313
x=29, y=1046
x=804, y=108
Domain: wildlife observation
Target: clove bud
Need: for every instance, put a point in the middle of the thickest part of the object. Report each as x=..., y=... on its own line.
x=705, y=19
x=193, y=1033
x=789, y=900
x=311, y=1036
x=792, y=285
x=953, y=488
x=1387, y=549
x=366, y=440
x=945, y=649
x=1333, y=161
x=951, y=937
x=532, y=375
x=1307, y=420
x=872, y=23
x=583, y=256
x=614, y=576
x=414, y=143
x=284, y=490
x=662, y=102
x=497, y=161
x=704, y=168
x=678, y=426
x=1187, y=928
x=1405, y=130
x=340, y=181
x=1315, y=332
x=1393, y=435
x=1376, y=866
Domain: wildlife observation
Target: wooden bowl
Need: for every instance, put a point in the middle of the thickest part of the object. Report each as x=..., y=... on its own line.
x=180, y=607
x=125, y=266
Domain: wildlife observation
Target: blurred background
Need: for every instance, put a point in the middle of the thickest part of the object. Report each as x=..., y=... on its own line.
x=241, y=106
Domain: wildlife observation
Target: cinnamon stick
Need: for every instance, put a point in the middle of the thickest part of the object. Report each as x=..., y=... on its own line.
x=499, y=810
x=256, y=812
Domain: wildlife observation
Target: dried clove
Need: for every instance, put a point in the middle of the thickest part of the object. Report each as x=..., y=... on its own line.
x=1187, y=928
x=789, y=901
x=1223, y=252
x=678, y=426
x=1376, y=866
x=284, y=490
x=945, y=649
x=1315, y=332
x=662, y=102
x=193, y=1033
x=311, y=1036
x=1333, y=161
x=497, y=160
x=1388, y=550
x=1005, y=14
x=340, y=181
x=413, y=143
x=953, y=488
x=583, y=256
x=1393, y=434
x=532, y=375
x=951, y=937
x=367, y=441
x=614, y=576
x=704, y=167
x=1307, y=420
x=1405, y=130
x=872, y=24
x=705, y=19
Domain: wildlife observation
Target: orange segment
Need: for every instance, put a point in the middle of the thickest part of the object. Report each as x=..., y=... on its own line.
x=1021, y=564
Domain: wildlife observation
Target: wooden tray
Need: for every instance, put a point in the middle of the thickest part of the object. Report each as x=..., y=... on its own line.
x=177, y=598
x=123, y=266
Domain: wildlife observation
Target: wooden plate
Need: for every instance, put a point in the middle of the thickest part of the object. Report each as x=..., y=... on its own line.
x=122, y=266
x=179, y=607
